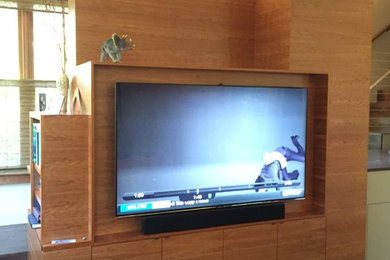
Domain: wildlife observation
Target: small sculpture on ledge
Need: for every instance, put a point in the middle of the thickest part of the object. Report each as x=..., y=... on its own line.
x=114, y=46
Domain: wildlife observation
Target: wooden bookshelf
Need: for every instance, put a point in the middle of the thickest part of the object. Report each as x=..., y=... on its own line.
x=61, y=183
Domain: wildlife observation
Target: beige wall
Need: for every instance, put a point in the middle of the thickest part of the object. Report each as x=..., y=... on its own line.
x=335, y=37
x=378, y=211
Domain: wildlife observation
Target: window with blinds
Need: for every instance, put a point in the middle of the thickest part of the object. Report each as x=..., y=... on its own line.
x=9, y=127
x=32, y=44
x=51, y=6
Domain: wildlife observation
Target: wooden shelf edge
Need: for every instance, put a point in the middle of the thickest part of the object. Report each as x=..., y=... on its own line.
x=230, y=69
x=37, y=168
x=47, y=247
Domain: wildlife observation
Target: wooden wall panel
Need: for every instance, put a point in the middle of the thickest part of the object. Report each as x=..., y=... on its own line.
x=251, y=242
x=320, y=144
x=335, y=36
x=272, y=34
x=206, y=33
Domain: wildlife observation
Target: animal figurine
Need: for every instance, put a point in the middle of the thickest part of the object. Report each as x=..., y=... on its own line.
x=114, y=46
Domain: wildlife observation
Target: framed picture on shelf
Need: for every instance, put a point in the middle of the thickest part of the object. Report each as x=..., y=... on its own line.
x=47, y=100
x=42, y=102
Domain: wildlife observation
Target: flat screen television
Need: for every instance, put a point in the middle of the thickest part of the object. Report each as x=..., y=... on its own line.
x=190, y=147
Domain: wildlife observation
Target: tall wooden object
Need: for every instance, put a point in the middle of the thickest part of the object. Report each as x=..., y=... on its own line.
x=121, y=238
x=301, y=35
x=62, y=181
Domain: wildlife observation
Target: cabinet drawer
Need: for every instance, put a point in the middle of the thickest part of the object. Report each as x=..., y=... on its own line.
x=252, y=242
x=196, y=246
x=136, y=250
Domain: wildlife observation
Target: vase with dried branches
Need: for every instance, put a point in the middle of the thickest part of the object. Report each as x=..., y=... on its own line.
x=62, y=82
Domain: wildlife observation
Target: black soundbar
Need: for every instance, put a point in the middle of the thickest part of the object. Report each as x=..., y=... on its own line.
x=211, y=218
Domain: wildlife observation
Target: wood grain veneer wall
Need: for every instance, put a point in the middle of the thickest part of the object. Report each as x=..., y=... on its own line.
x=208, y=33
x=272, y=34
x=302, y=35
x=335, y=36
x=106, y=226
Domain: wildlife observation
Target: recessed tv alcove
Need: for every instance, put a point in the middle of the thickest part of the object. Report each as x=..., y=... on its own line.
x=105, y=79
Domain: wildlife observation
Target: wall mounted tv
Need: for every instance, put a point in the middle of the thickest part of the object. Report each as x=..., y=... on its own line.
x=189, y=147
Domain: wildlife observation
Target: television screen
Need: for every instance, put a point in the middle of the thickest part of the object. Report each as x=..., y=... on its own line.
x=187, y=147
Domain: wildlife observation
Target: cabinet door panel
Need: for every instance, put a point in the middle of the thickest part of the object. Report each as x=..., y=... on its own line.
x=302, y=239
x=252, y=242
x=136, y=250
x=196, y=246
x=82, y=253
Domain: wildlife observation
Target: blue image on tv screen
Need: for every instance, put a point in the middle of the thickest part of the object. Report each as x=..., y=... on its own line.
x=183, y=147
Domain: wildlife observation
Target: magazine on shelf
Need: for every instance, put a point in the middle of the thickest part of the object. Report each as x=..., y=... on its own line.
x=37, y=204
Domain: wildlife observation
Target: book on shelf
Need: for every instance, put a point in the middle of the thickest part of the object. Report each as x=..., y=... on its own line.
x=37, y=204
x=34, y=222
x=38, y=196
x=37, y=213
x=36, y=143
